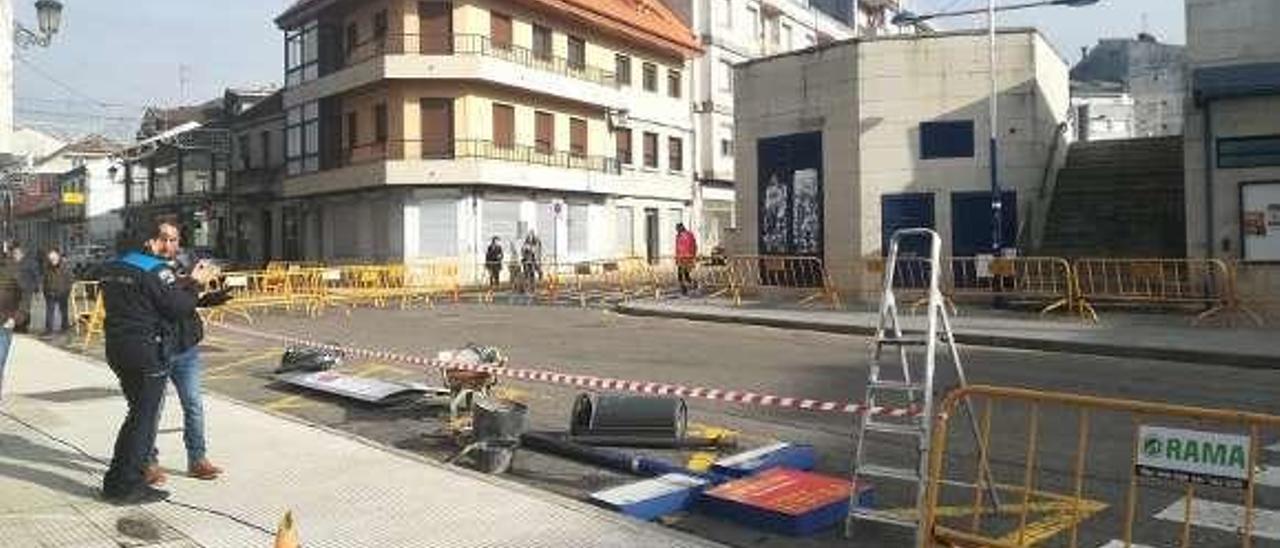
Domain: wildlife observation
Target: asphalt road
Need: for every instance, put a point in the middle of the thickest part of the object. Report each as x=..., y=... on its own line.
x=789, y=363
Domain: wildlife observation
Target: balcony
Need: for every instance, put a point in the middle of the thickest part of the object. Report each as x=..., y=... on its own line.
x=459, y=57
x=474, y=148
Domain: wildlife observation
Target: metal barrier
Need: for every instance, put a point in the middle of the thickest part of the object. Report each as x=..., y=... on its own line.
x=1089, y=471
x=1045, y=280
x=1160, y=282
x=753, y=275
x=1255, y=292
x=87, y=311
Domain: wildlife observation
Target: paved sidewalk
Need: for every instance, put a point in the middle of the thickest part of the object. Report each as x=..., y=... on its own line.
x=343, y=491
x=1131, y=336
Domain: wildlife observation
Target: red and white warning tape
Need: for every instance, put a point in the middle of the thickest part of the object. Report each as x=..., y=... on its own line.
x=592, y=382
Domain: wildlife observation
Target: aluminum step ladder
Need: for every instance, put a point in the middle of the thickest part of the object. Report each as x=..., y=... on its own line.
x=906, y=388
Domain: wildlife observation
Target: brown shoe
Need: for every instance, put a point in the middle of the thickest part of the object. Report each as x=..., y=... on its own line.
x=154, y=475
x=204, y=470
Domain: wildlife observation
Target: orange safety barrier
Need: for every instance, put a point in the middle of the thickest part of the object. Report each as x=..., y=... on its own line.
x=1074, y=470
x=756, y=275
x=1154, y=282
x=1045, y=280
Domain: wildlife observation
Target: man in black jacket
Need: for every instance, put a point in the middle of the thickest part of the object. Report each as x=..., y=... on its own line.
x=144, y=300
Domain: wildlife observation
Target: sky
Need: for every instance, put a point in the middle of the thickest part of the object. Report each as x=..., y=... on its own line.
x=113, y=58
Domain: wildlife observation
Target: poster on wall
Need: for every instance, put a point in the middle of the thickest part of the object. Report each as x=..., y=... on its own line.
x=1260, y=221
x=790, y=194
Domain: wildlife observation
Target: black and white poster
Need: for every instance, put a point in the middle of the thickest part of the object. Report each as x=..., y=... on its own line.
x=790, y=194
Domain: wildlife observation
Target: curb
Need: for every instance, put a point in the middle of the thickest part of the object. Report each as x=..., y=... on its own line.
x=1200, y=357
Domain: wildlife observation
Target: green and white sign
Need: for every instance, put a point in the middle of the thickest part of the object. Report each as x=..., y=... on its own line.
x=1209, y=458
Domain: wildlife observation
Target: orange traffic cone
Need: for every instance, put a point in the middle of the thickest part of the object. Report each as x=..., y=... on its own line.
x=287, y=535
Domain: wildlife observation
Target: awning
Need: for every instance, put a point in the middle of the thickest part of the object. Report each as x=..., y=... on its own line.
x=1235, y=81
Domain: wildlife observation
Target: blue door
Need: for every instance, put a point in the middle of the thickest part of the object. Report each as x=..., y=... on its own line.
x=971, y=222
x=900, y=211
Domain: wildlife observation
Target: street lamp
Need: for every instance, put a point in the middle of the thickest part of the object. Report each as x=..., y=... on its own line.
x=49, y=17
x=908, y=18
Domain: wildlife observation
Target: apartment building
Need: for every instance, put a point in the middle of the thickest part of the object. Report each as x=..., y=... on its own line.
x=424, y=129
x=735, y=31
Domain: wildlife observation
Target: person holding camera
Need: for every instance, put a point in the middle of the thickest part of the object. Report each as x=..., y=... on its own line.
x=185, y=372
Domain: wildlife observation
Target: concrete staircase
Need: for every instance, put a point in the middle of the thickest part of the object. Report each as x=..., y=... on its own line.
x=1119, y=199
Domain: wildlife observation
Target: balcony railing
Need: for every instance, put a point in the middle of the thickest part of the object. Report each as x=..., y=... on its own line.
x=474, y=44
x=474, y=148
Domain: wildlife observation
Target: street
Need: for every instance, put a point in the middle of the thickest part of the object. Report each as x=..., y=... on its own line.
x=790, y=363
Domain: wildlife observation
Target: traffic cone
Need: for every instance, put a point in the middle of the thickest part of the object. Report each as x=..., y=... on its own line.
x=287, y=535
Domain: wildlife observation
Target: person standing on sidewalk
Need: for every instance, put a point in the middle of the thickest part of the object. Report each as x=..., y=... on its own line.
x=56, y=287
x=493, y=262
x=144, y=300
x=185, y=371
x=10, y=314
x=686, y=257
x=27, y=272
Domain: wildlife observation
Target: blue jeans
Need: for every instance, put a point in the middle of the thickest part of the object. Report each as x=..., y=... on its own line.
x=6, y=338
x=186, y=379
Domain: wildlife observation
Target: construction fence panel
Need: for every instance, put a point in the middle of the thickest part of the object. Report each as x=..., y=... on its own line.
x=1256, y=290
x=1073, y=470
x=1154, y=283
x=805, y=279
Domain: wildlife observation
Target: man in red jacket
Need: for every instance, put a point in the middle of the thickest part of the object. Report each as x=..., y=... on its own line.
x=686, y=257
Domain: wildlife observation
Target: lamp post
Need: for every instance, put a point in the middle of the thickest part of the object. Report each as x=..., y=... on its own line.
x=49, y=21
x=908, y=18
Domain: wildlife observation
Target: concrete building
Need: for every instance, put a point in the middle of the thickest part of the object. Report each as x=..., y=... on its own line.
x=1151, y=74
x=1232, y=130
x=71, y=199
x=1102, y=115
x=266, y=227
x=845, y=143
x=734, y=31
x=423, y=129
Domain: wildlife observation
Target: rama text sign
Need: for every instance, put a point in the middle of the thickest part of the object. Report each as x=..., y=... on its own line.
x=1209, y=458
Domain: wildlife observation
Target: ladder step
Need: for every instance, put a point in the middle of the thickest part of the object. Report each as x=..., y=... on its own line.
x=891, y=428
x=905, y=340
x=874, y=470
x=897, y=385
x=881, y=516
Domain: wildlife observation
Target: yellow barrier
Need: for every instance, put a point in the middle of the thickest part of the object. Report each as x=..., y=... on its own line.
x=753, y=275
x=87, y=310
x=1161, y=282
x=422, y=280
x=1255, y=292
x=1058, y=490
x=1045, y=280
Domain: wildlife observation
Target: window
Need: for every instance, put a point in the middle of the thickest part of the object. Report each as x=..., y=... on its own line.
x=753, y=15
x=650, y=76
x=264, y=141
x=504, y=125
x=541, y=42
x=353, y=128
x=673, y=83
x=623, y=137
x=577, y=137
x=726, y=147
x=786, y=36
x=1242, y=152
x=380, y=123
x=577, y=53
x=302, y=54
x=353, y=37
x=437, y=127
x=724, y=14
x=726, y=76
x=675, y=154
x=946, y=139
x=624, y=231
x=500, y=30
x=245, y=161
x=650, y=150
x=579, y=229
x=302, y=138
x=544, y=129
x=380, y=26
x=622, y=69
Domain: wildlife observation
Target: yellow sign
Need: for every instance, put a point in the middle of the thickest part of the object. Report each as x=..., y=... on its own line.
x=73, y=198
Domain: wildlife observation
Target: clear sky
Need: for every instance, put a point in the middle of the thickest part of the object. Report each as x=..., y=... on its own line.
x=114, y=57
